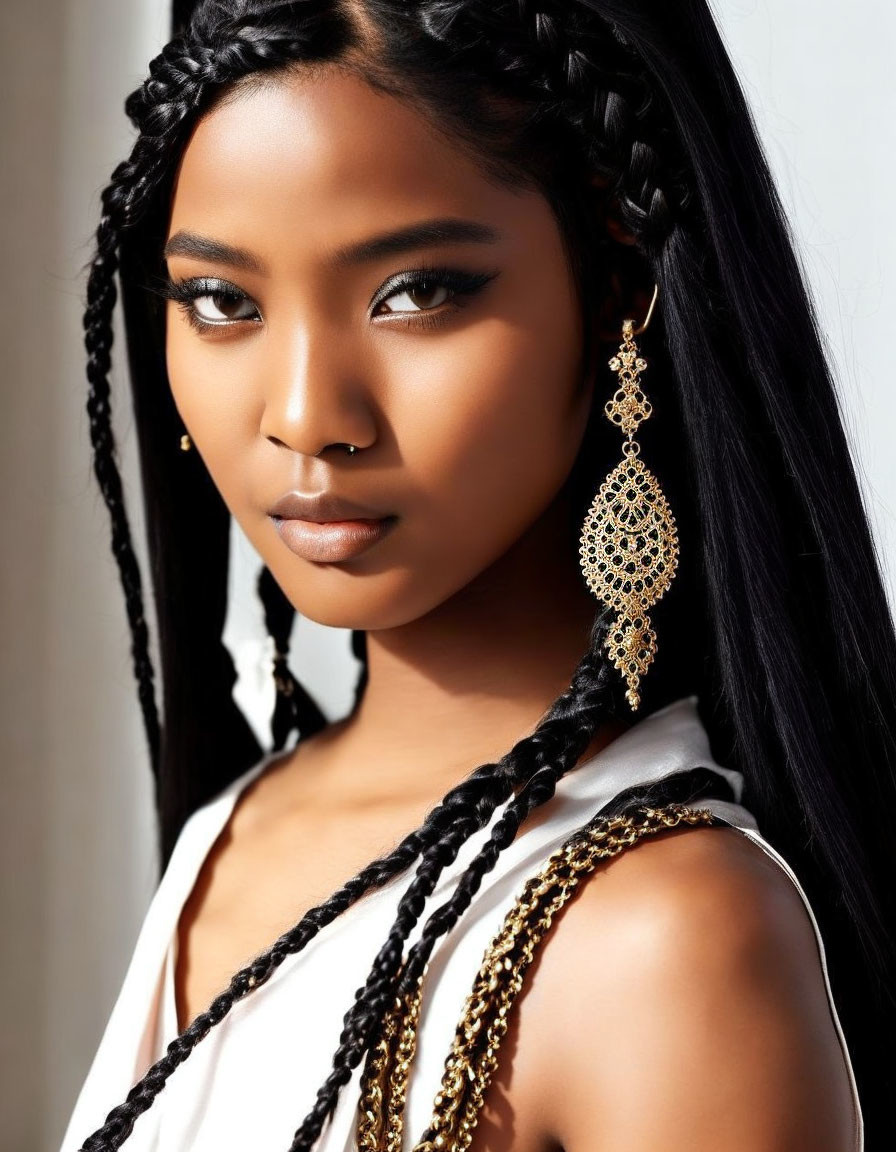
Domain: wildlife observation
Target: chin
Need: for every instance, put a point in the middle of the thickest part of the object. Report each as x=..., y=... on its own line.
x=367, y=602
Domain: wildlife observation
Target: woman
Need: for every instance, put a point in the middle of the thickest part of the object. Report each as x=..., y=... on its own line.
x=375, y=256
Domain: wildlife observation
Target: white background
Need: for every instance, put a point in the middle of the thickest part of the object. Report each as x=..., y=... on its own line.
x=75, y=819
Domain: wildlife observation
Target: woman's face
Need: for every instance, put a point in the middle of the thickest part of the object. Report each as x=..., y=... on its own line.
x=363, y=282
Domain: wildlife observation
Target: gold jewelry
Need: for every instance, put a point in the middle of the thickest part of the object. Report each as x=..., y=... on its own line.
x=486, y=1014
x=629, y=541
x=185, y=442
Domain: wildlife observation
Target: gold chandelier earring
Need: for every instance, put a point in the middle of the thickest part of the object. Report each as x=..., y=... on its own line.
x=629, y=541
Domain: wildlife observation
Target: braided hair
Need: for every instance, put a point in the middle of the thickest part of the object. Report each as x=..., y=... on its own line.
x=779, y=622
x=294, y=706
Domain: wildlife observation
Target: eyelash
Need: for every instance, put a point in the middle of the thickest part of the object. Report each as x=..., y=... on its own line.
x=462, y=285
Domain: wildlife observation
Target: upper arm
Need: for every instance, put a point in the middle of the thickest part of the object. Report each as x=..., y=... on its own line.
x=679, y=1003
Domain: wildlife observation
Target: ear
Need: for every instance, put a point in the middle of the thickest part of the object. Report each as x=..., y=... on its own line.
x=612, y=217
x=630, y=280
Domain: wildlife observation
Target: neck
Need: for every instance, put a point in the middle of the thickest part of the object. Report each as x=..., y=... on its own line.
x=460, y=685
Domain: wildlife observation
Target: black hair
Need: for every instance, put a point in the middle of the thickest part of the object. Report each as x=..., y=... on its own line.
x=778, y=619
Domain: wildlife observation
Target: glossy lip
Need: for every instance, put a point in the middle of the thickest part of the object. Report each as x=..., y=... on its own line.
x=321, y=508
x=334, y=541
x=327, y=528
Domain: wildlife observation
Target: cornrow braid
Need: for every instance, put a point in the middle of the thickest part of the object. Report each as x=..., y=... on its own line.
x=581, y=62
x=221, y=46
x=543, y=759
x=294, y=706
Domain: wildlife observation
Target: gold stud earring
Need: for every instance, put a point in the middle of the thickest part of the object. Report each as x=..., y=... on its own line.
x=185, y=442
x=629, y=542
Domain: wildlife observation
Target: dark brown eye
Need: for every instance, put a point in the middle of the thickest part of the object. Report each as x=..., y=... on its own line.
x=221, y=307
x=418, y=298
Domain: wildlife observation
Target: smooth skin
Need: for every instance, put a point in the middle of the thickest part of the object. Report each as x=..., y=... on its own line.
x=679, y=1001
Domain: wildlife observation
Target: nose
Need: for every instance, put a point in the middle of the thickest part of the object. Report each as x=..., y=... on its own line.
x=315, y=393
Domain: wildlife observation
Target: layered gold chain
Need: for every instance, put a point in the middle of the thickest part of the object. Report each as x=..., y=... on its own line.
x=486, y=1014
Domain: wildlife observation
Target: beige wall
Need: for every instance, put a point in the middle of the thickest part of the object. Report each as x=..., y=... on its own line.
x=75, y=838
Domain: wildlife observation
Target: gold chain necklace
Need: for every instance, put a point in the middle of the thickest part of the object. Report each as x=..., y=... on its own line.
x=486, y=1014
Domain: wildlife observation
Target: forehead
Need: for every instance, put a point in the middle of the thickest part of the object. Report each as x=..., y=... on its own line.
x=312, y=159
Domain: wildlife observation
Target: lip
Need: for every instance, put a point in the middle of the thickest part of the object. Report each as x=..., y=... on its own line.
x=321, y=508
x=327, y=528
x=334, y=540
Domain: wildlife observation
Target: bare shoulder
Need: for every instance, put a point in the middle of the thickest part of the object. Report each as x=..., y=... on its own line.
x=679, y=1001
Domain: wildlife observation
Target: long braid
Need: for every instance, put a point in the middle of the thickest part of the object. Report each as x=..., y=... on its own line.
x=549, y=753
x=479, y=794
x=589, y=692
x=132, y=180
x=97, y=323
x=560, y=737
x=163, y=108
x=294, y=706
x=469, y=805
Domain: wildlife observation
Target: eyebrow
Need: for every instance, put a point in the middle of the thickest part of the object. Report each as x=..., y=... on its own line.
x=425, y=234
x=204, y=248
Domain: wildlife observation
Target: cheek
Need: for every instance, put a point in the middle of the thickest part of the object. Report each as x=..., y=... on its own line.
x=489, y=432
x=207, y=383
x=487, y=424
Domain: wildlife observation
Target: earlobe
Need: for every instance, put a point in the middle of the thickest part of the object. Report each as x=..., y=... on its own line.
x=606, y=327
x=623, y=301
